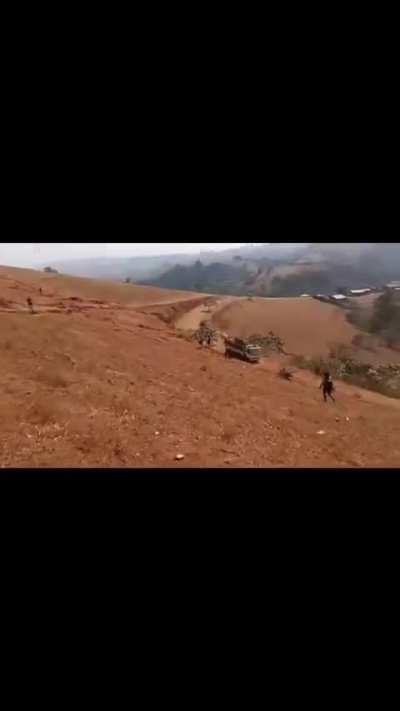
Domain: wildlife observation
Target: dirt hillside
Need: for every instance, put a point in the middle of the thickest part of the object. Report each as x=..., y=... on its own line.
x=308, y=327
x=91, y=380
x=15, y=283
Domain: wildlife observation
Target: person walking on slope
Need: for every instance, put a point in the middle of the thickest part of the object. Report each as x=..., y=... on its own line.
x=30, y=305
x=327, y=386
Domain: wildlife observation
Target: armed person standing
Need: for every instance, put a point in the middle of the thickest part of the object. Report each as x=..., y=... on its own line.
x=327, y=386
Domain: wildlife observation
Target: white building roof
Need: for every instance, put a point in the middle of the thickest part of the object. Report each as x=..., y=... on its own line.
x=359, y=291
x=338, y=297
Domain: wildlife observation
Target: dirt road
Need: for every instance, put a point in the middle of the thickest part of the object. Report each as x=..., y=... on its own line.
x=192, y=319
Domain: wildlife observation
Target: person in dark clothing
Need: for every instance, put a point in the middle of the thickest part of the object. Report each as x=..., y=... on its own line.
x=327, y=386
x=30, y=304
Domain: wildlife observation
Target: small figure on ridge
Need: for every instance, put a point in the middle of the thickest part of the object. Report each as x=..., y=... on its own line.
x=327, y=386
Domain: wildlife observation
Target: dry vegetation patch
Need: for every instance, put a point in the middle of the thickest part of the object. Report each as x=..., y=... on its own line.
x=384, y=379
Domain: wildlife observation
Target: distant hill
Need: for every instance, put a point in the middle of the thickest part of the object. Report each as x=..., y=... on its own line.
x=216, y=278
x=269, y=271
x=278, y=269
x=134, y=268
x=255, y=277
x=120, y=268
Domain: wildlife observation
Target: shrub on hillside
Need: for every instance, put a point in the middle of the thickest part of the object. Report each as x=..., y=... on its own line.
x=391, y=335
x=385, y=319
x=386, y=316
x=382, y=379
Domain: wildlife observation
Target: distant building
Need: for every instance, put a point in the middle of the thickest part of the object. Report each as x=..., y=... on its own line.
x=393, y=285
x=338, y=297
x=321, y=297
x=359, y=292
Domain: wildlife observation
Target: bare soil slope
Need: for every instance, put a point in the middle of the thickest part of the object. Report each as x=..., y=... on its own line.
x=103, y=384
x=308, y=327
x=28, y=282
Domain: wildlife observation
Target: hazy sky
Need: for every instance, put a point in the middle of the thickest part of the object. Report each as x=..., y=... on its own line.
x=29, y=253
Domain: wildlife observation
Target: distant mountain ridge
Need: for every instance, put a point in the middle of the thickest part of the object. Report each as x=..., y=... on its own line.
x=143, y=267
x=312, y=270
x=269, y=269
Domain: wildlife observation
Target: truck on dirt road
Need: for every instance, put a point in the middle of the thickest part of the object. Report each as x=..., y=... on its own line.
x=237, y=348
